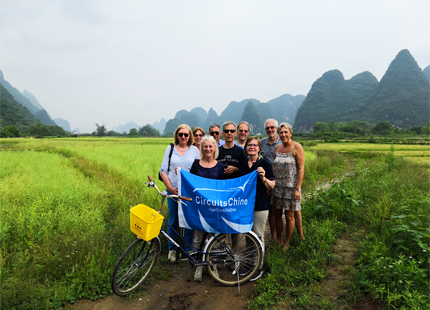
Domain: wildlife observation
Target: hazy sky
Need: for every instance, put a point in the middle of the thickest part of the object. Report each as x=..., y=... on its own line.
x=114, y=62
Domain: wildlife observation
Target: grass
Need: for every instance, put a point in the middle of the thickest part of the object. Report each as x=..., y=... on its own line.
x=65, y=216
x=389, y=198
x=65, y=220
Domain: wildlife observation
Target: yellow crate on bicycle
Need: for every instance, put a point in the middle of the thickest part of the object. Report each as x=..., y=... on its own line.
x=145, y=222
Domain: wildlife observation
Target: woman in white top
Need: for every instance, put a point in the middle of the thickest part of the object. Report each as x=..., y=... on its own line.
x=183, y=156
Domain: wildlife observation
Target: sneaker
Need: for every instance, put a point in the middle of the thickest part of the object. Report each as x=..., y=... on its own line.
x=199, y=274
x=172, y=256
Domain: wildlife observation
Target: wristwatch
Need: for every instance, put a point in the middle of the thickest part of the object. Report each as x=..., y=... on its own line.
x=299, y=189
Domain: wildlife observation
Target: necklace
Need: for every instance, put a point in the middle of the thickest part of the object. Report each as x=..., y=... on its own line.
x=182, y=149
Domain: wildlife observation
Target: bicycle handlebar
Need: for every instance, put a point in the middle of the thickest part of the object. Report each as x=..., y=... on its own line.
x=169, y=196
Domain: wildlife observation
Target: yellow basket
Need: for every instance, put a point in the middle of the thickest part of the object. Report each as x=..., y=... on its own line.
x=145, y=222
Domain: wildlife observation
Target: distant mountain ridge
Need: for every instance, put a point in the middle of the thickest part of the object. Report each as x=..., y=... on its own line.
x=14, y=113
x=426, y=72
x=37, y=111
x=159, y=125
x=401, y=97
x=63, y=124
x=126, y=127
x=283, y=109
x=32, y=99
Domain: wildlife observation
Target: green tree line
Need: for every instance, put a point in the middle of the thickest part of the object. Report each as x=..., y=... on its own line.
x=144, y=131
x=38, y=130
x=362, y=128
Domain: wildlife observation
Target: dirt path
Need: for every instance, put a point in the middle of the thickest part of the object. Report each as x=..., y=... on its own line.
x=179, y=292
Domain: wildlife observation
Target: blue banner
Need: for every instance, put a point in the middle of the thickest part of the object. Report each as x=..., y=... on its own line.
x=225, y=206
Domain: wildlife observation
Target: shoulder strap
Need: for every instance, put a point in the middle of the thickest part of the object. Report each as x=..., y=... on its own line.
x=170, y=156
x=293, y=147
x=195, y=166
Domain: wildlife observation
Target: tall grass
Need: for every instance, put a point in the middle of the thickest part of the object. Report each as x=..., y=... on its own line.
x=65, y=216
x=53, y=231
x=321, y=165
x=389, y=198
x=394, y=258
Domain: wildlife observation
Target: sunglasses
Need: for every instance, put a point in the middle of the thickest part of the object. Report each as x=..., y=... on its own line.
x=183, y=135
x=198, y=135
x=212, y=133
x=252, y=145
x=229, y=130
x=271, y=127
x=243, y=130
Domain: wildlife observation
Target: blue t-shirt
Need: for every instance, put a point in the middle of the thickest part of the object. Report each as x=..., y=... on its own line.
x=235, y=143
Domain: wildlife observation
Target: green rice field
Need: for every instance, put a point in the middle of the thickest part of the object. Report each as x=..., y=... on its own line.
x=64, y=209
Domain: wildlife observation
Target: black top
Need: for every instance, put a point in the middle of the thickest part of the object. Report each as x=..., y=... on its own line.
x=216, y=172
x=234, y=156
x=261, y=197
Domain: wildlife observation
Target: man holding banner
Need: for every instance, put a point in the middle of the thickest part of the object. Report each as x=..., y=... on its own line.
x=232, y=156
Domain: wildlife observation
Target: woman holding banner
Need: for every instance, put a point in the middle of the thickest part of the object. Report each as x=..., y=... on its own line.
x=206, y=167
x=289, y=168
x=265, y=181
x=182, y=154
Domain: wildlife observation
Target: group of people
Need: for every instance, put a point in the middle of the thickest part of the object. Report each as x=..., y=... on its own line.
x=279, y=162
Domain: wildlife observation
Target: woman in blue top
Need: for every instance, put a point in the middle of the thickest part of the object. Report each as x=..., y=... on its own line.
x=183, y=155
x=206, y=167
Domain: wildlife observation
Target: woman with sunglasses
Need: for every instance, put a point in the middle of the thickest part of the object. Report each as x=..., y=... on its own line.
x=198, y=134
x=183, y=156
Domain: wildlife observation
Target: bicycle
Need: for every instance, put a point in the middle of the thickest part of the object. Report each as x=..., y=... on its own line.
x=229, y=259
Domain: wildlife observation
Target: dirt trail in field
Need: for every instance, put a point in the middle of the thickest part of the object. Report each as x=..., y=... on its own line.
x=179, y=292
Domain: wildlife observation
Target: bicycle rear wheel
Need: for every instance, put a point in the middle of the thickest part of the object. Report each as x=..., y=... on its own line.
x=247, y=256
x=134, y=266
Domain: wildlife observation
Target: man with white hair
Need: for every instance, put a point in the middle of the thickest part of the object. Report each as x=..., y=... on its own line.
x=269, y=143
x=268, y=146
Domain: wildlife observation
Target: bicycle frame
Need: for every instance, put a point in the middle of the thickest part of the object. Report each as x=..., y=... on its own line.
x=193, y=261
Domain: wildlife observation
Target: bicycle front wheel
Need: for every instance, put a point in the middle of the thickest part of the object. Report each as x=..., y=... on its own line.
x=134, y=266
x=246, y=254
